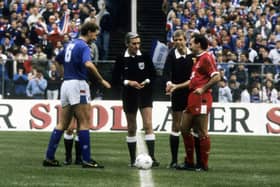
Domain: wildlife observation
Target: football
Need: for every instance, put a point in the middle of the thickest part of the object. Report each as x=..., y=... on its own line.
x=143, y=161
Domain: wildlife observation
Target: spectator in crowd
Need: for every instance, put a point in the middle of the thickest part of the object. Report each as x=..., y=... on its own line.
x=92, y=15
x=269, y=93
x=172, y=11
x=38, y=30
x=171, y=25
x=33, y=17
x=234, y=87
x=73, y=30
x=231, y=61
x=84, y=11
x=7, y=42
x=59, y=47
x=4, y=79
x=165, y=6
x=54, y=81
x=15, y=32
x=105, y=22
x=245, y=95
x=4, y=11
x=36, y=87
x=239, y=48
x=268, y=66
x=256, y=96
x=274, y=55
x=76, y=17
x=23, y=60
x=241, y=74
x=47, y=46
x=263, y=27
x=39, y=58
x=49, y=10
x=224, y=92
x=262, y=54
x=20, y=82
x=215, y=48
x=185, y=18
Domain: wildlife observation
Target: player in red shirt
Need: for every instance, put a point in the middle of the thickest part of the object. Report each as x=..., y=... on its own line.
x=204, y=76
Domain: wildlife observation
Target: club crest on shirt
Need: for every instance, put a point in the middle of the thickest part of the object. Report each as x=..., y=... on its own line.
x=141, y=65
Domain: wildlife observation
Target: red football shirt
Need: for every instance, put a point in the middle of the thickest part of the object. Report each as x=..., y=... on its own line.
x=203, y=69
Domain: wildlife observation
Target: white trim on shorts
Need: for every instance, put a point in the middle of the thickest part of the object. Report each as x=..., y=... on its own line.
x=72, y=91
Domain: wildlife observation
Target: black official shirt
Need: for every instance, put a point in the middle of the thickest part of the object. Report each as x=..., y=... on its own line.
x=178, y=68
x=136, y=68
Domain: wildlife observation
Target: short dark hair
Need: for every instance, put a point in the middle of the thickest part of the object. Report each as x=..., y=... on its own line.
x=88, y=26
x=199, y=38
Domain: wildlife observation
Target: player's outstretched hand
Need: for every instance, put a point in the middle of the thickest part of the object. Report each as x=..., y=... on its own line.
x=105, y=83
x=173, y=88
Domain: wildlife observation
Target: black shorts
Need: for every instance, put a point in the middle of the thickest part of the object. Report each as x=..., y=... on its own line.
x=179, y=100
x=134, y=99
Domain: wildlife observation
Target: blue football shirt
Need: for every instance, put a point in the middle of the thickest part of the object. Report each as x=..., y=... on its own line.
x=73, y=57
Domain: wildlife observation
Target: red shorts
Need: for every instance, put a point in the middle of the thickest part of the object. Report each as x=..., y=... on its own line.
x=199, y=104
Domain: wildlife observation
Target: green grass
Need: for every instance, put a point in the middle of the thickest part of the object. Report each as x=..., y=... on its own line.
x=234, y=161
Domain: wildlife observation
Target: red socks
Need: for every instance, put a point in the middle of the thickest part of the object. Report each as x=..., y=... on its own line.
x=189, y=149
x=204, y=151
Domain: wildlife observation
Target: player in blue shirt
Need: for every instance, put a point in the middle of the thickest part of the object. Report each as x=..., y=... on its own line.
x=75, y=94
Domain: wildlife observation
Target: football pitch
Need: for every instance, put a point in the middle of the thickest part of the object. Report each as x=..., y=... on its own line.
x=234, y=161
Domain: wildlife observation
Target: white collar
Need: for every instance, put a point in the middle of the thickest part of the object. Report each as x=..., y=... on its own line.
x=126, y=54
x=178, y=55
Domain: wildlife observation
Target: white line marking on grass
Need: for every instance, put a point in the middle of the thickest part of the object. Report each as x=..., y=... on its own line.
x=146, y=178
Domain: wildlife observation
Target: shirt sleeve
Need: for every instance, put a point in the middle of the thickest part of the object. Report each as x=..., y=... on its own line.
x=86, y=55
x=167, y=69
x=210, y=66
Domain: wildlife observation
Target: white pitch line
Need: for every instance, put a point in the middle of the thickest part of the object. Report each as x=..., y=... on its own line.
x=146, y=178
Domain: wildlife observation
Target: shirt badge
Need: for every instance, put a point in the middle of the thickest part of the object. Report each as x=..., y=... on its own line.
x=141, y=65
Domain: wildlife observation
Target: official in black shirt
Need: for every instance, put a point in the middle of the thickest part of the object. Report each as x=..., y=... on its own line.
x=177, y=69
x=135, y=72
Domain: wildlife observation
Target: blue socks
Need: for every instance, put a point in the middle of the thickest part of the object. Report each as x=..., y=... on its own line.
x=84, y=139
x=53, y=143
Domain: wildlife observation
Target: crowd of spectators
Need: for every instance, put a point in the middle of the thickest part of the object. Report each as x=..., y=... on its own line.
x=244, y=37
x=32, y=32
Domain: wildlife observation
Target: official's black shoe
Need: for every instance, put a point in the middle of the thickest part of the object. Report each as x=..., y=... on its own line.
x=155, y=163
x=92, y=164
x=172, y=165
x=185, y=166
x=51, y=163
x=67, y=162
x=78, y=161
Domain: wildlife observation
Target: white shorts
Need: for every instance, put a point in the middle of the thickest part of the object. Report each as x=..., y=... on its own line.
x=74, y=92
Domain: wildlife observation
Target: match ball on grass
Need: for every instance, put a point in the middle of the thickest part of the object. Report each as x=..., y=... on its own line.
x=143, y=161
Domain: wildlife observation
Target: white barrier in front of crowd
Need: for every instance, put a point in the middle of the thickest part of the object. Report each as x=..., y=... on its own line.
x=108, y=116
